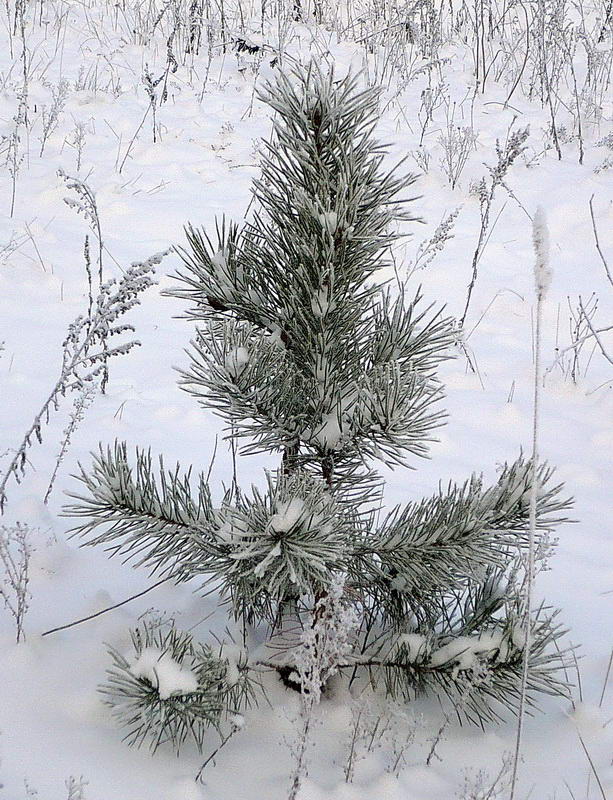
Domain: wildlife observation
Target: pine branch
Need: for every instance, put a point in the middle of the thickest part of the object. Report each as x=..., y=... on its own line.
x=130, y=513
x=172, y=689
x=276, y=545
x=441, y=542
x=480, y=674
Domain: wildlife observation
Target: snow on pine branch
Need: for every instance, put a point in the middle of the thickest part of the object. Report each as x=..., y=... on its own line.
x=171, y=689
x=163, y=672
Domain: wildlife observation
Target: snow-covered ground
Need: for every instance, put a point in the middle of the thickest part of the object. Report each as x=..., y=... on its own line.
x=53, y=724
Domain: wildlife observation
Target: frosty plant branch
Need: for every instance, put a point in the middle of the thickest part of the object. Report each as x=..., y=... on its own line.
x=485, y=191
x=83, y=400
x=85, y=352
x=325, y=645
x=50, y=116
x=156, y=96
x=303, y=355
x=15, y=554
x=542, y=281
x=85, y=204
x=14, y=156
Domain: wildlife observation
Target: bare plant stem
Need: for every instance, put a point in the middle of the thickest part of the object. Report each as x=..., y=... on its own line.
x=595, y=333
x=545, y=73
x=606, y=680
x=134, y=138
x=108, y=608
x=225, y=739
x=529, y=577
x=597, y=240
x=591, y=763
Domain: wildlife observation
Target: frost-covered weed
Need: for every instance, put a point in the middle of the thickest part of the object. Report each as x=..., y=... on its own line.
x=430, y=248
x=485, y=191
x=383, y=726
x=81, y=403
x=324, y=645
x=76, y=788
x=14, y=156
x=481, y=785
x=607, y=163
x=422, y=157
x=14, y=243
x=84, y=203
x=457, y=143
x=15, y=554
x=51, y=114
x=77, y=141
x=85, y=353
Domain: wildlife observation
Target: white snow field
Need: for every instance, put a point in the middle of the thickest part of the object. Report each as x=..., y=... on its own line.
x=93, y=56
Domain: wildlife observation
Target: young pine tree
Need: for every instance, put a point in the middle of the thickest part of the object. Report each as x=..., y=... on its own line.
x=303, y=354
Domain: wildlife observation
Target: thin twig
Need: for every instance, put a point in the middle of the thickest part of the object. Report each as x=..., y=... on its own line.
x=570, y=791
x=600, y=253
x=595, y=333
x=606, y=680
x=591, y=763
x=108, y=608
x=138, y=130
x=223, y=742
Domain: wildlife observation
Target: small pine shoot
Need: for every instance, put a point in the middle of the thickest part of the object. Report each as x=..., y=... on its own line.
x=304, y=354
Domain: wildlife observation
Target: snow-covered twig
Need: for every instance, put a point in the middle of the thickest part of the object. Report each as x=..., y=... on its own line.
x=76, y=788
x=325, y=644
x=50, y=116
x=82, y=402
x=85, y=204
